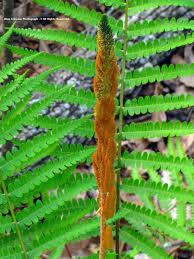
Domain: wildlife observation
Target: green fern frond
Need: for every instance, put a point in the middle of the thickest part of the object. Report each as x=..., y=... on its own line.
x=10, y=128
x=142, y=243
x=144, y=188
x=157, y=74
x=13, y=161
x=71, y=95
x=155, y=220
x=62, y=235
x=12, y=85
x=83, y=66
x=157, y=129
x=65, y=158
x=11, y=68
x=157, y=161
x=157, y=103
x=68, y=38
x=158, y=26
x=18, y=89
x=137, y=6
x=151, y=47
x=45, y=122
x=5, y=37
x=50, y=204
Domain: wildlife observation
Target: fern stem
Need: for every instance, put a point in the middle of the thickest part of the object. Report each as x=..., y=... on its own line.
x=14, y=218
x=121, y=125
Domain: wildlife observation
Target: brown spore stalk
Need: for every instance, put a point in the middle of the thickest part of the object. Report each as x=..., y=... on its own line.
x=105, y=88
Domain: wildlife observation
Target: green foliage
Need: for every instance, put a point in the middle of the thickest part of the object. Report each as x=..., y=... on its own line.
x=42, y=178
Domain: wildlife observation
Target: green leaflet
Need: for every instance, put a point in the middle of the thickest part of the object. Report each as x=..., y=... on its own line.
x=142, y=243
x=13, y=161
x=157, y=74
x=65, y=158
x=143, y=188
x=49, y=205
x=86, y=129
x=68, y=38
x=157, y=103
x=157, y=161
x=155, y=220
x=137, y=6
x=151, y=47
x=83, y=66
x=159, y=25
x=11, y=68
x=157, y=129
x=5, y=37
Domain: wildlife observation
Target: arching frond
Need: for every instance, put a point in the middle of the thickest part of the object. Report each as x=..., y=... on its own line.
x=69, y=38
x=11, y=68
x=159, y=25
x=144, y=188
x=155, y=220
x=151, y=47
x=157, y=74
x=137, y=6
x=157, y=129
x=142, y=243
x=85, y=130
x=83, y=66
x=20, y=157
x=4, y=38
x=157, y=103
x=157, y=161
x=71, y=95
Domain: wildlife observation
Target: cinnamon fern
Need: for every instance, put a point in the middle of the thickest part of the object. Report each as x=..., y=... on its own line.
x=42, y=178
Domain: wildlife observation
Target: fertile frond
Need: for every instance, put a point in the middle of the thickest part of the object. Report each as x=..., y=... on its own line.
x=157, y=103
x=155, y=220
x=142, y=243
x=86, y=129
x=5, y=37
x=137, y=6
x=144, y=188
x=158, y=26
x=61, y=36
x=83, y=66
x=157, y=129
x=157, y=161
x=11, y=68
x=151, y=47
x=20, y=157
x=157, y=74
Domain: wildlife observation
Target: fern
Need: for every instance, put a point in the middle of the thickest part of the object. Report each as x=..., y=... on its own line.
x=137, y=6
x=157, y=103
x=157, y=74
x=158, y=26
x=41, y=176
x=83, y=66
x=142, y=243
x=11, y=68
x=157, y=129
x=6, y=37
x=144, y=188
x=154, y=220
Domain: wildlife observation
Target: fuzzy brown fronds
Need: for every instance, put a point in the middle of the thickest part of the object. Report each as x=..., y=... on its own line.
x=105, y=88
